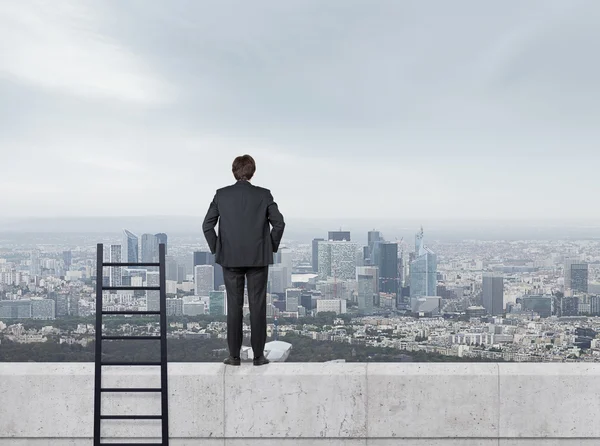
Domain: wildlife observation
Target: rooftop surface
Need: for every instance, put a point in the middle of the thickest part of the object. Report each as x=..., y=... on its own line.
x=311, y=403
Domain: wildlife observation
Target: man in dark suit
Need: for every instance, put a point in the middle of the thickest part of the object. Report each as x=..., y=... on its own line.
x=244, y=248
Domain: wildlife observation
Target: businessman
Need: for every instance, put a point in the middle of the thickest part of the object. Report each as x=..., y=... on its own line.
x=244, y=247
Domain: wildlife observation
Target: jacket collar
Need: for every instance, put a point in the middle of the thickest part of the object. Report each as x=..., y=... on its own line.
x=243, y=182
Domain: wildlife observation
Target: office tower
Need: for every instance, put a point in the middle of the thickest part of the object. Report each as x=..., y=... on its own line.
x=366, y=291
x=153, y=297
x=149, y=248
x=171, y=268
x=194, y=308
x=162, y=238
x=285, y=259
x=541, y=305
x=388, y=268
x=204, y=279
x=277, y=280
x=315, y=254
x=337, y=259
x=181, y=273
x=595, y=305
x=62, y=305
x=207, y=258
x=35, y=268
x=576, y=276
x=569, y=306
x=493, y=293
x=15, y=309
x=217, y=305
x=67, y=259
x=292, y=299
x=116, y=272
x=43, y=309
x=174, y=307
x=306, y=300
x=423, y=270
x=339, y=236
x=372, y=271
x=130, y=246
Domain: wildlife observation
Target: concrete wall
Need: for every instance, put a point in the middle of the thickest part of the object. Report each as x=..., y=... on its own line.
x=51, y=404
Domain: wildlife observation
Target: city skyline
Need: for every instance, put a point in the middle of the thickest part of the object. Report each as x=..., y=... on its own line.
x=473, y=101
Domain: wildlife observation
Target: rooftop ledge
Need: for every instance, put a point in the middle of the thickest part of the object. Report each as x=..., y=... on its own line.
x=413, y=404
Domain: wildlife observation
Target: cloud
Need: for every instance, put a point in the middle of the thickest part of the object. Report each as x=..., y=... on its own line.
x=60, y=46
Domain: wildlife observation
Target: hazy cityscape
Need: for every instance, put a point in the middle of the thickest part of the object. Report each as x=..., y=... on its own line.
x=501, y=300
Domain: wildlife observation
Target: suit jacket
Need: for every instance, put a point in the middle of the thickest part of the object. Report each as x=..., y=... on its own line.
x=244, y=213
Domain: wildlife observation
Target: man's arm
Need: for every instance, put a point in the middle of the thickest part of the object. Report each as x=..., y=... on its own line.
x=210, y=221
x=276, y=220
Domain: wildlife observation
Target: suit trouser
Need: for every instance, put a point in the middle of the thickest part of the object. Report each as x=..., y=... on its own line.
x=256, y=279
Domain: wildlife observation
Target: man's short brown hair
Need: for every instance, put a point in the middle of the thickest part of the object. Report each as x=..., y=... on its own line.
x=243, y=167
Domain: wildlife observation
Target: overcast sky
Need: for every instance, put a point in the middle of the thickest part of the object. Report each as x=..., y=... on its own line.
x=374, y=109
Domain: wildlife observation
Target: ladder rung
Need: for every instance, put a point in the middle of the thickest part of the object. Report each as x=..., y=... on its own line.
x=131, y=417
x=130, y=312
x=109, y=363
x=131, y=288
x=132, y=338
x=128, y=444
x=131, y=389
x=129, y=264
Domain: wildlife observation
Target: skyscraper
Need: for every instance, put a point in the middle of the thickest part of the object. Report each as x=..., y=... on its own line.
x=171, y=268
x=388, y=268
x=292, y=299
x=315, y=254
x=366, y=290
x=35, y=268
x=423, y=270
x=130, y=244
x=217, y=303
x=204, y=279
x=153, y=297
x=162, y=238
x=116, y=272
x=337, y=259
x=339, y=236
x=493, y=293
x=207, y=258
x=372, y=251
x=576, y=276
x=67, y=259
x=149, y=248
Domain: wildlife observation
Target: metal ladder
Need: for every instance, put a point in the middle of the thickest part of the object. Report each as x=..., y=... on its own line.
x=162, y=312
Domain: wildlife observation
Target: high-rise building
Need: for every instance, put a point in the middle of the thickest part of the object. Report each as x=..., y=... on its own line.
x=284, y=257
x=388, y=268
x=366, y=292
x=131, y=248
x=337, y=259
x=171, y=268
x=35, y=267
x=149, y=248
x=423, y=270
x=153, y=297
x=116, y=272
x=493, y=293
x=174, y=307
x=541, y=305
x=292, y=299
x=207, y=258
x=372, y=271
x=569, y=306
x=576, y=276
x=181, y=273
x=338, y=236
x=62, y=305
x=67, y=259
x=204, y=279
x=217, y=303
x=315, y=254
x=276, y=283
x=162, y=238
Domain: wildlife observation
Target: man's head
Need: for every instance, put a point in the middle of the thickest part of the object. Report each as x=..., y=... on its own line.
x=243, y=167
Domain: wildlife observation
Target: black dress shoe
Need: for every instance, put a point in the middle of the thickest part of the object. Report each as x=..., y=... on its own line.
x=232, y=361
x=261, y=361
